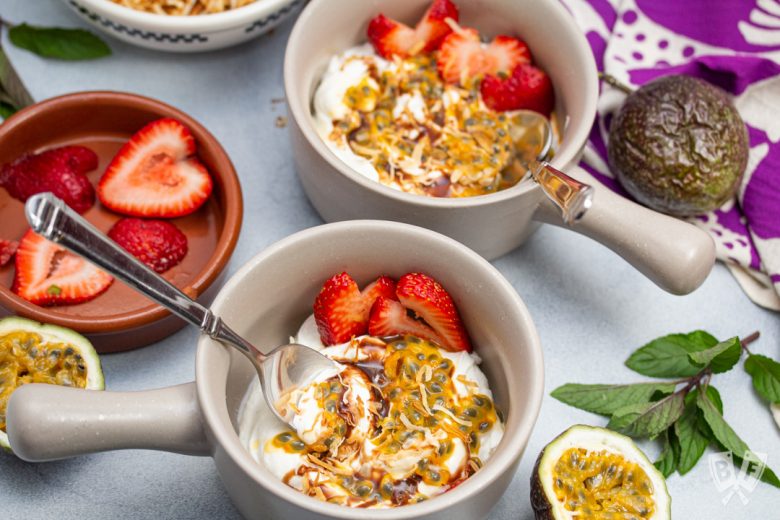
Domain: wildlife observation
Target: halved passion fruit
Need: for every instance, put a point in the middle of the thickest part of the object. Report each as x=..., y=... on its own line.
x=595, y=473
x=31, y=352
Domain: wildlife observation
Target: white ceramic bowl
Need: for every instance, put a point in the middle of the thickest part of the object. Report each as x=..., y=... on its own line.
x=185, y=33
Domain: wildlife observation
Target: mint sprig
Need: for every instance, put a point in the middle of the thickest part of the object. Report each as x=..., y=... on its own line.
x=686, y=413
x=57, y=42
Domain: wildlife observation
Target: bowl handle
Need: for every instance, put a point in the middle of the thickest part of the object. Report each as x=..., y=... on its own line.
x=50, y=422
x=674, y=254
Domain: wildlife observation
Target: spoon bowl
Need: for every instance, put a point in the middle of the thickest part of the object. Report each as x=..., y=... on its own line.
x=280, y=371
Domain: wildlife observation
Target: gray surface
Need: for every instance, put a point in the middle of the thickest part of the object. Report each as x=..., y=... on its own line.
x=590, y=307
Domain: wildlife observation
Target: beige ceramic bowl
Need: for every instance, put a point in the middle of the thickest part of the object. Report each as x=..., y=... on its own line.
x=199, y=33
x=674, y=254
x=266, y=301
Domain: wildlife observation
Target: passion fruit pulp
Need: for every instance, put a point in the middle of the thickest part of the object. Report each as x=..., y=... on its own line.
x=597, y=474
x=32, y=352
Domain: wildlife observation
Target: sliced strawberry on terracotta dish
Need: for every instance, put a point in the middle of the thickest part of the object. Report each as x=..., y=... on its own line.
x=341, y=310
x=390, y=318
x=391, y=38
x=463, y=56
x=7, y=251
x=156, y=174
x=528, y=87
x=48, y=274
x=157, y=243
x=61, y=171
x=428, y=300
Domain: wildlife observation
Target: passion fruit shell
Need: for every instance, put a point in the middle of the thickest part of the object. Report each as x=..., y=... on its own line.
x=679, y=146
x=32, y=352
x=595, y=473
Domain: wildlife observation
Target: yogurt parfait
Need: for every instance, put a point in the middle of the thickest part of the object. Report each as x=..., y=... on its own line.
x=434, y=110
x=406, y=416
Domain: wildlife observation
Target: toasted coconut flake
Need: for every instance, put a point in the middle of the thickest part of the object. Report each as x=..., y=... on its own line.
x=440, y=408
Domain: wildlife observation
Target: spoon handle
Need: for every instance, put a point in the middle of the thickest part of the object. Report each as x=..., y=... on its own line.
x=51, y=218
x=571, y=196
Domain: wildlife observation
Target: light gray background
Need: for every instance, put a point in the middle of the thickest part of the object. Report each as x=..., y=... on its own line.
x=590, y=307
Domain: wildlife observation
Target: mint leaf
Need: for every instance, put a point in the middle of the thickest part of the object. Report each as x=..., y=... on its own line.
x=667, y=460
x=692, y=440
x=648, y=419
x=605, y=399
x=720, y=358
x=714, y=396
x=63, y=44
x=668, y=356
x=766, y=376
x=6, y=110
x=728, y=438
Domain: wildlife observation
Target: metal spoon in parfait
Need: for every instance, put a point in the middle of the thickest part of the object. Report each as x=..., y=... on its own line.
x=280, y=371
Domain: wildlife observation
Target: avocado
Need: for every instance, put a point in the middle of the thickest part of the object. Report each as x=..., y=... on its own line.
x=679, y=146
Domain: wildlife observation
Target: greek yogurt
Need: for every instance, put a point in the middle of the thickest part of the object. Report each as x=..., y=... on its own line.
x=399, y=422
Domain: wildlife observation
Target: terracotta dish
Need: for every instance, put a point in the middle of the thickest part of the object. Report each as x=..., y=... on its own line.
x=120, y=319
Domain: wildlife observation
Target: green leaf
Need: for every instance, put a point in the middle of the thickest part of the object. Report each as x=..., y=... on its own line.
x=605, y=399
x=693, y=442
x=648, y=419
x=6, y=110
x=667, y=460
x=728, y=438
x=720, y=358
x=766, y=376
x=668, y=356
x=54, y=42
x=767, y=475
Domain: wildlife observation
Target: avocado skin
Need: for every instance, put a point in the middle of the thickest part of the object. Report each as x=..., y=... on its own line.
x=679, y=146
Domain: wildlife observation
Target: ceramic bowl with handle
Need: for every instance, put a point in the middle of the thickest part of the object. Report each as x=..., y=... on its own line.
x=197, y=33
x=674, y=254
x=266, y=301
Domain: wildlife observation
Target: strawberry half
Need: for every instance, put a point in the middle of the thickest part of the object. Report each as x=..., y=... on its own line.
x=341, y=310
x=463, y=56
x=391, y=38
x=527, y=88
x=390, y=318
x=157, y=243
x=47, y=274
x=7, y=251
x=155, y=174
x=428, y=299
x=61, y=171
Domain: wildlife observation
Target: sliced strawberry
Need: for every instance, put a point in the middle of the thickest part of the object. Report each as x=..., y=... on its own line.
x=157, y=243
x=47, y=274
x=390, y=318
x=391, y=38
x=527, y=88
x=7, y=251
x=463, y=56
x=428, y=299
x=341, y=310
x=58, y=170
x=155, y=174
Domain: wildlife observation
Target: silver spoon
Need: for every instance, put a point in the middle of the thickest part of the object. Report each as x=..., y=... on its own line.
x=572, y=197
x=280, y=371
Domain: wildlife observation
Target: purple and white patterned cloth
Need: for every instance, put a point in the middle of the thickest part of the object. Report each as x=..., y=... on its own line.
x=734, y=44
